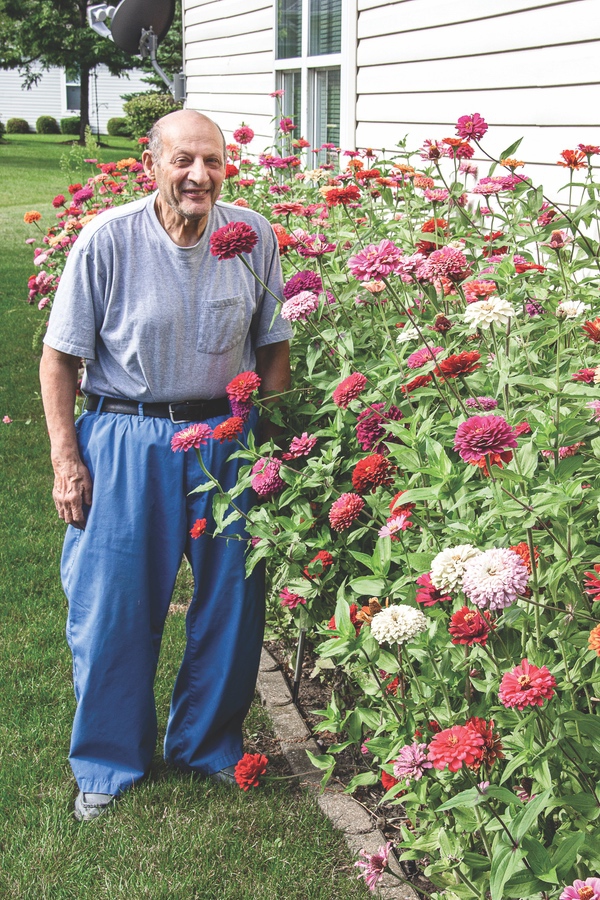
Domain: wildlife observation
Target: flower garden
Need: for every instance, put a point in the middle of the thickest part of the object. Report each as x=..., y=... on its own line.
x=430, y=512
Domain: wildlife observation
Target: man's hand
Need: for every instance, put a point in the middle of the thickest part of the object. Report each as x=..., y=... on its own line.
x=273, y=366
x=72, y=482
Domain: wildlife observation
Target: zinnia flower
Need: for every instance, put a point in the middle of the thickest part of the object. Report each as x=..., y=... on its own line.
x=493, y=579
x=484, y=403
x=243, y=386
x=228, y=430
x=493, y=311
x=349, y=389
x=570, y=309
x=58, y=201
x=233, y=239
x=243, y=134
x=447, y=568
x=481, y=435
x=267, y=480
x=473, y=126
x=372, y=471
x=314, y=245
x=32, y=216
x=594, y=639
x=469, y=626
x=526, y=685
x=492, y=746
x=291, y=600
x=248, y=770
x=371, y=433
x=460, y=364
x=454, y=746
x=422, y=356
x=412, y=762
x=394, y=524
x=198, y=528
x=447, y=262
x=582, y=890
x=341, y=196
x=591, y=585
x=345, y=510
x=302, y=281
x=428, y=594
x=397, y=624
x=592, y=329
x=193, y=436
x=299, y=308
x=572, y=159
x=320, y=563
x=375, y=262
x=374, y=865
x=300, y=446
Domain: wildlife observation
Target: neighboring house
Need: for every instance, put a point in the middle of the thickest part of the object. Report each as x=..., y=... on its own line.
x=368, y=72
x=57, y=94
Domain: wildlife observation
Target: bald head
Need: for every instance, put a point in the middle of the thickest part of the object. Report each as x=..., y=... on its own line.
x=176, y=124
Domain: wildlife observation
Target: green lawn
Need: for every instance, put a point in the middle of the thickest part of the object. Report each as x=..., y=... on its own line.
x=173, y=837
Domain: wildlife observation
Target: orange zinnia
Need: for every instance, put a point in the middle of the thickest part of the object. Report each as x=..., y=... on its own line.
x=594, y=639
x=572, y=159
x=32, y=216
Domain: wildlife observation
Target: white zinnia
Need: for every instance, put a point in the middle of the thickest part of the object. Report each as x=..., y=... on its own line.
x=448, y=567
x=570, y=309
x=408, y=333
x=493, y=311
x=397, y=624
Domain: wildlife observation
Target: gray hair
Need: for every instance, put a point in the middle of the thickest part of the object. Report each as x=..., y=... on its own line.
x=155, y=141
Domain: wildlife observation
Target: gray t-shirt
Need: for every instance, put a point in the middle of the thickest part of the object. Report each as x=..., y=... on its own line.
x=158, y=322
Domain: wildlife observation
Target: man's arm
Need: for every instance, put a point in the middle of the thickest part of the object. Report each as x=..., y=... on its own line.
x=72, y=482
x=273, y=366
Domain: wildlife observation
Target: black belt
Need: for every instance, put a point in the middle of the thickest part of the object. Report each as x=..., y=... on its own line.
x=181, y=411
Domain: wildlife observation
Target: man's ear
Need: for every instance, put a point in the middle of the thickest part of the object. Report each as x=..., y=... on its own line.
x=148, y=163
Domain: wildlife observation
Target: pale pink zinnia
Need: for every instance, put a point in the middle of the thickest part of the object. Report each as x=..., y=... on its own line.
x=412, y=762
x=349, y=389
x=582, y=890
x=193, y=436
x=374, y=865
x=481, y=435
x=298, y=308
x=526, y=685
x=375, y=262
x=345, y=510
x=493, y=579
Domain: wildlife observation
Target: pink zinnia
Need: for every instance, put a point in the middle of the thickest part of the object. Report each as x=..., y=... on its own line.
x=494, y=578
x=428, y=594
x=455, y=746
x=370, y=426
x=314, y=245
x=399, y=522
x=412, y=762
x=437, y=195
x=192, y=436
x=232, y=239
x=374, y=865
x=484, y=403
x=302, y=281
x=526, y=685
x=291, y=600
x=300, y=446
x=473, y=126
x=299, y=308
x=447, y=262
x=349, y=389
x=375, y=262
x=286, y=125
x=266, y=480
x=422, y=356
x=481, y=435
x=243, y=386
x=345, y=510
x=243, y=134
x=582, y=890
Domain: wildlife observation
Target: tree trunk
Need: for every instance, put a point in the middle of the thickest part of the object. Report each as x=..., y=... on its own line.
x=84, y=74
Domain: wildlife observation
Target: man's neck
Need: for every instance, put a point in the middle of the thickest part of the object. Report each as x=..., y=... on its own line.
x=183, y=232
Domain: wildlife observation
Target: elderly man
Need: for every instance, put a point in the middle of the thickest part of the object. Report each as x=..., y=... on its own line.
x=164, y=326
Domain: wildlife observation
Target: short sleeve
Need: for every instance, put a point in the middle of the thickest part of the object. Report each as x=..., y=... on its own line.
x=72, y=324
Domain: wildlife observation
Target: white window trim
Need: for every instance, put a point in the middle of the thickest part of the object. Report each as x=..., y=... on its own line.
x=67, y=111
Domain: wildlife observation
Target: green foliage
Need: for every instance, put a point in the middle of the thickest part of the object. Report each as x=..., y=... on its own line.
x=17, y=126
x=47, y=125
x=2, y=131
x=118, y=126
x=70, y=125
x=143, y=110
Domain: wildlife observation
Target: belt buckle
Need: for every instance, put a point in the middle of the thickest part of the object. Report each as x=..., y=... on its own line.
x=172, y=414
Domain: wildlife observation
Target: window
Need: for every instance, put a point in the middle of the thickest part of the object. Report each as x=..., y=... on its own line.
x=73, y=87
x=309, y=68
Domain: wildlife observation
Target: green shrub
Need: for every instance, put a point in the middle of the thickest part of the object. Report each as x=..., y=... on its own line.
x=47, y=125
x=142, y=111
x=17, y=126
x=2, y=131
x=118, y=127
x=70, y=125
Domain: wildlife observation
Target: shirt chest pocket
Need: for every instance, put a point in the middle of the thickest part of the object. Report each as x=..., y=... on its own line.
x=222, y=324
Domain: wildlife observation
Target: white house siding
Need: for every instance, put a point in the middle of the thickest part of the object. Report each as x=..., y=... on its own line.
x=229, y=56
x=48, y=97
x=530, y=69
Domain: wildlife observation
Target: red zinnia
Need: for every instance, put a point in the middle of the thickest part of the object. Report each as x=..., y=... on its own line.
x=453, y=746
x=418, y=382
x=473, y=126
x=231, y=171
x=591, y=585
x=353, y=619
x=481, y=435
x=341, y=196
x=243, y=386
x=345, y=510
x=492, y=459
x=460, y=364
x=526, y=685
x=58, y=201
x=428, y=594
x=284, y=240
x=592, y=329
x=388, y=781
x=522, y=550
x=323, y=559
x=233, y=239
x=349, y=389
x=585, y=375
x=372, y=471
x=397, y=507
x=228, y=430
x=492, y=747
x=470, y=626
x=198, y=528
x=572, y=159
x=249, y=768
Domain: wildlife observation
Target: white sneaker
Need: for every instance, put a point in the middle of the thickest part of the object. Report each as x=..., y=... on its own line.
x=90, y=806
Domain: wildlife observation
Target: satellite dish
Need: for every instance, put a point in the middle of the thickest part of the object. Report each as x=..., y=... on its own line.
x=133, y=17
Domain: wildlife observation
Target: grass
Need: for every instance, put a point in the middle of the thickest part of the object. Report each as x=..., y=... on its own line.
x=173, y=836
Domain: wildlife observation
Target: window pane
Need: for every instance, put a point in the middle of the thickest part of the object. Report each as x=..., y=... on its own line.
x=325, y=27
x=73, y=97
x=326, y=109
x=291, y=82
x=289, y=29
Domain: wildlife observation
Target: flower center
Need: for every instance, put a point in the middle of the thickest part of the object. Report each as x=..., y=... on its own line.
x=469, y=617
x=453, y=740
x=585, y=893
x=525, y=681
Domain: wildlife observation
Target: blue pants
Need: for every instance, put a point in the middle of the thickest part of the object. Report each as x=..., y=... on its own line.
x=118, y=575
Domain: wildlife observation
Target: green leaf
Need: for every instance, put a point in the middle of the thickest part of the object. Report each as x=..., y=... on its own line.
x=500, y=793
x=523, y=822
x=361, y=779
x=539, y=859
x=506, y=154
x=220, y=506
x=322, y=762
x=466, y=799
x=567, y=851
x=505, y=862
x=371, y=587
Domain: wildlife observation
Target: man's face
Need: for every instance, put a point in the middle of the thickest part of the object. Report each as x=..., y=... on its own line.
x=191, y=168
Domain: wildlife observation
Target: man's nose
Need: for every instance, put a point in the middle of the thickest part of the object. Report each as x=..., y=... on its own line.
x=197, y=171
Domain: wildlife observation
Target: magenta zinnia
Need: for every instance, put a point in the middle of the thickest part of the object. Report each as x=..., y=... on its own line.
x=481, y=435
x=473, y=126
x=345, y=510
x=349, y=389
x=374, y=865
x=428, y=594
x=371, y=433
x=375, y=262
x=302, y=281
x=291, y=600
x=300, y=446
x=192, y=436
x=233, y=239
x=243, y=134
x=526, y=685
x=266, y=480
x=422, y=356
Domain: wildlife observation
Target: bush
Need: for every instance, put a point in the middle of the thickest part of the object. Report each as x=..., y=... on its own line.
x=70, y=125
x=47, y=125
x=17, y=126
x=143, y=110
x=118, y=127
x=2, y=131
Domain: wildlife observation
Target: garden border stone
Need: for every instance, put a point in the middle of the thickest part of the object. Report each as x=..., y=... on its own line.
x=358, y=827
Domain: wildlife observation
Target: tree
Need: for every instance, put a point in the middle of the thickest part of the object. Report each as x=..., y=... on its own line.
x=36, y=33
